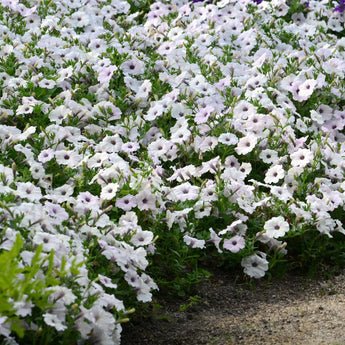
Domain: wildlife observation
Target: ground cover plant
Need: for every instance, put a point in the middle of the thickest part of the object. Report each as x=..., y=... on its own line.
x=140, y=137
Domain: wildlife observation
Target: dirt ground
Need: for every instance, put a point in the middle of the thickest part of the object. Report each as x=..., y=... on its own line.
x=291, y=311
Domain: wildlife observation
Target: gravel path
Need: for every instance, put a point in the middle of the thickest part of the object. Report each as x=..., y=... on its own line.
x=292, y=311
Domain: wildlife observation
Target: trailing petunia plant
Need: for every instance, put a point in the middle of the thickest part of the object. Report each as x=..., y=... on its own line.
x=142, y=139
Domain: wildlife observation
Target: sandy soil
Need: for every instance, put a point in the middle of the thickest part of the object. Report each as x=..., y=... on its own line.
x=291, y=311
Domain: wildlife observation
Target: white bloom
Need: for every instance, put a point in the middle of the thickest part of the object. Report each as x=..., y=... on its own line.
x=276, y=227
x=228, y=139
x=143, y=291
x=70, y=158
x=268, y=156
x=194, y=242
x=202, y=209
x=54, y=321
x=57, y=212
x=142, y=238
x=47, y=83
x=255, y=265
x=282, y=193
x=185, y=191
x=231, y=227
x=245, y=168
x=23, y=307
x=4, y=326
x=246, y=144
x=215, y=239
x=274, y=174
x=325, y=224
x=301, y=158
x=29, y=191
x=100, y=319
x=46, y=155
x=146, y=200
x=109, y=191
x=61, y=293
x=334, y=65
x=24, y=109
x=306, y=89
x=133, y=67
x=107, y=282
x=106, y=73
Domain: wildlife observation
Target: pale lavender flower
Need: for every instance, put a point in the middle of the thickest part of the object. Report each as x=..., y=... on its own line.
x=70, y=158
x=306, y=89
x=228, y=139
x=234, y=244
x=130, y=147
x=88, y=199
x=127, y=202
x=57, y=212
x=106, y=281
x=133, y=66
x=132, y=278
x=143, y=291
x=47, y=83
x=4, y=326
x=46, y=155
x=146, y=200
x=205, y=143
x=106, y=73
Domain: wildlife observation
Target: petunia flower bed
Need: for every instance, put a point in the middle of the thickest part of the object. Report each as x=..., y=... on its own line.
x=138, y=138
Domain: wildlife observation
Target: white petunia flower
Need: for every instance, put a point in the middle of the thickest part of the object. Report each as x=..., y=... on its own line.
x=4, y=326
x=146, y=200
x=29, y=191
x=274, y=174
x=54, y=321
x=255, y=265
x=46, y=155
x=228, y=139
x=246, y=144
x=234, y=244
x=109, y=191
x=306, y=89
x=106, y=281
x=215, y=239
x=185, y=191
x=194, y=242
x=142, y=238
x=301, y=158
x=70, y=158
x=268, y=156
x=276, y=227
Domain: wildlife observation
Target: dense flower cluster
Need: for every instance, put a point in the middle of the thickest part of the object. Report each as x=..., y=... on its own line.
x=223, y=122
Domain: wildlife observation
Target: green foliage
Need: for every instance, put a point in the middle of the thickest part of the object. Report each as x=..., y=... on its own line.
x=175, y=265
x=9, y=64
x=20, y=284
x=192, y=301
